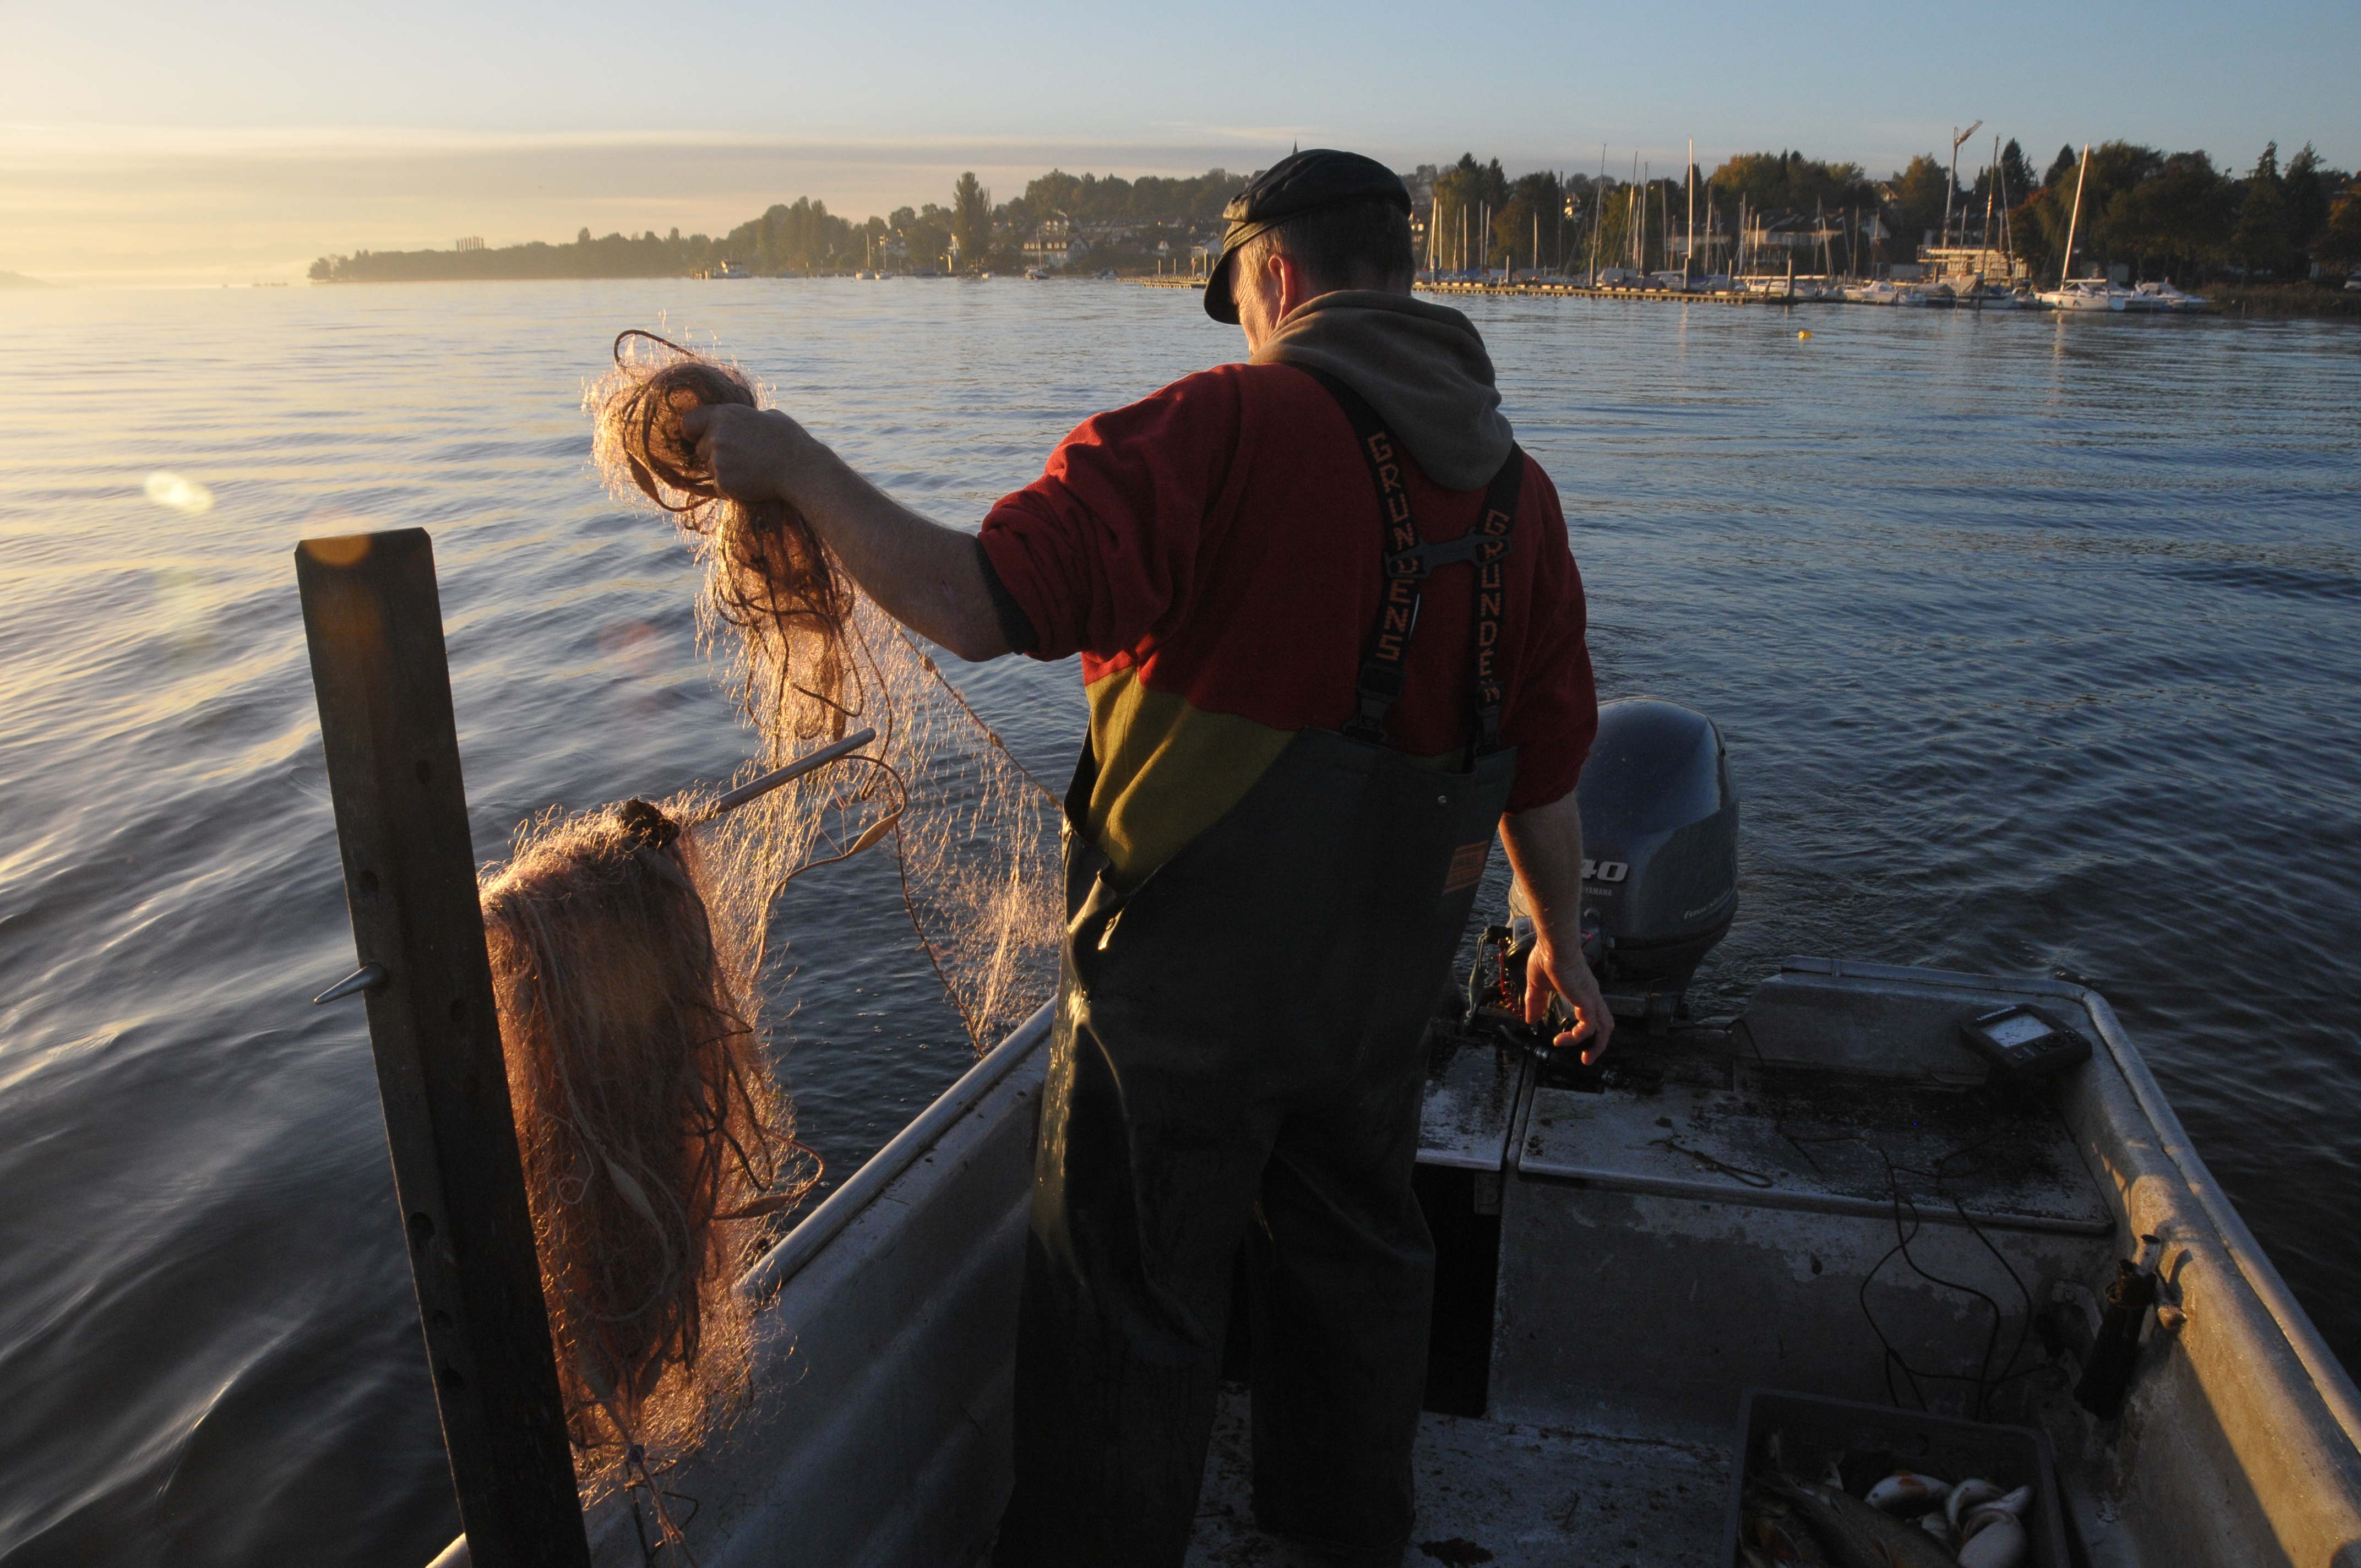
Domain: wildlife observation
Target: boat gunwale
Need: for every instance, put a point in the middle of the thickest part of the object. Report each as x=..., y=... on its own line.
x=768, y=1274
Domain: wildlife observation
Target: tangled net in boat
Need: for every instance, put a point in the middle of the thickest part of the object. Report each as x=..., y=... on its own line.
x=647, y=1120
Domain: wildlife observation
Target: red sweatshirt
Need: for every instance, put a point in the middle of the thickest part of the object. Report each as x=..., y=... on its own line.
x=1212, y=553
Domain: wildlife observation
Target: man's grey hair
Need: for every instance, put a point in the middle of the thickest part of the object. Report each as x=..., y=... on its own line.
x=1355, y=245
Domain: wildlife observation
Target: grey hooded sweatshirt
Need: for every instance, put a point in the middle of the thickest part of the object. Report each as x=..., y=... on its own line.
x=1422, y=367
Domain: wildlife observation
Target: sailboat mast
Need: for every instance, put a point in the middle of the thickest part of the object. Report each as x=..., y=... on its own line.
x=1951, y=185
x=1598, y=215
x=2007, y=226
x=1688, y=182
x=2066, y=268
x=1991, y=188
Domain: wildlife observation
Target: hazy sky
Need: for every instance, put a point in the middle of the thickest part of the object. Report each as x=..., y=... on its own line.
x=150, y=141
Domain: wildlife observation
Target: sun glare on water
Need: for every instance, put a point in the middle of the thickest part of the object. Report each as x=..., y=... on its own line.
x=167, y=489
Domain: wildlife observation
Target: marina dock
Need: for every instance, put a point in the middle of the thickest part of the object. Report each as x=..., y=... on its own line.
x=1814, y=290
x=1584, y=292
x=1562, y=290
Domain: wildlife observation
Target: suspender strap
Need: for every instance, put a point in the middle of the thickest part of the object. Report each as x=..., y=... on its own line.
x=1492, y=528
x=1383, y=657
x=1408, y=559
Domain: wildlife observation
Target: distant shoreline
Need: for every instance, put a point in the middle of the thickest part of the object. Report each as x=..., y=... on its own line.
x=2283, y=301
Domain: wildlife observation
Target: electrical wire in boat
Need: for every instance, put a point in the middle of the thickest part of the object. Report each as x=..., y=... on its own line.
x=1737, y=1173
x=1982, y=1380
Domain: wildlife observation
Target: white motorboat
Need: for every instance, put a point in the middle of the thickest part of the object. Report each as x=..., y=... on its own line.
x=1873, y=292
x=1992, y=296
x=2165, y=297
x=2083, y=294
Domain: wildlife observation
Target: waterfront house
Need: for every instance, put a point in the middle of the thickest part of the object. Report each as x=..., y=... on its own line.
x=1056, y=244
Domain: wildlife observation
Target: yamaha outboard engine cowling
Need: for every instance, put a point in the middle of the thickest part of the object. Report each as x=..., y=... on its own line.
x=1660, y=832
x=1660, y=880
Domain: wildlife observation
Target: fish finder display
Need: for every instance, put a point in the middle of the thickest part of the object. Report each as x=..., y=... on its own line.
x=2016, y=1029
x=2024, y=1044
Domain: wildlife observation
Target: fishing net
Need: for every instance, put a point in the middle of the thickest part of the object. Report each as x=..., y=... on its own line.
x=810, y=657
x=629, y=944
x=647, y=1121
x=769, y=582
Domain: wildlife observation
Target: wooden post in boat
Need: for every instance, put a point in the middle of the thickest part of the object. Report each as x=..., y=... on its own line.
x=374, y=625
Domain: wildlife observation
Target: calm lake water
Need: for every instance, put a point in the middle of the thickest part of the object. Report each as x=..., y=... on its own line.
x=2035, y=640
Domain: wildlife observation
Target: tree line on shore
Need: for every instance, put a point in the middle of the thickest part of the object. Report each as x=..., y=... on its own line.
x=2158, y=214
x=804, y=237
x=2154, y=213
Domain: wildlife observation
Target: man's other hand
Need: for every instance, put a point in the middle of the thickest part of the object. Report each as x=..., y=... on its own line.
x=754, y=454
x=1557, y=970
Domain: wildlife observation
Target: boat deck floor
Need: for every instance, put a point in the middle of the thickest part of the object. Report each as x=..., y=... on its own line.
x=1519, y=1496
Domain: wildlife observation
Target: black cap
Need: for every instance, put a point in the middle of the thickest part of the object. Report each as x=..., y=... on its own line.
x=1295, y=185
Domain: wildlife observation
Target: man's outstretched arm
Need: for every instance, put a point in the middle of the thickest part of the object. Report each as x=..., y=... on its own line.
x=930, y=578
x=1545, y=851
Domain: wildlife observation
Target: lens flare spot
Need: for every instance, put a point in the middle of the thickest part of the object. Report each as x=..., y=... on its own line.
x=181, y=494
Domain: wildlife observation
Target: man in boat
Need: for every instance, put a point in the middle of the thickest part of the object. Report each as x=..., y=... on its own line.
x=1333, y=638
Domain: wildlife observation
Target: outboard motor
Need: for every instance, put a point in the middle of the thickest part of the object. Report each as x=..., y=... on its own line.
x=1660, y=883
x=1660, y=832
